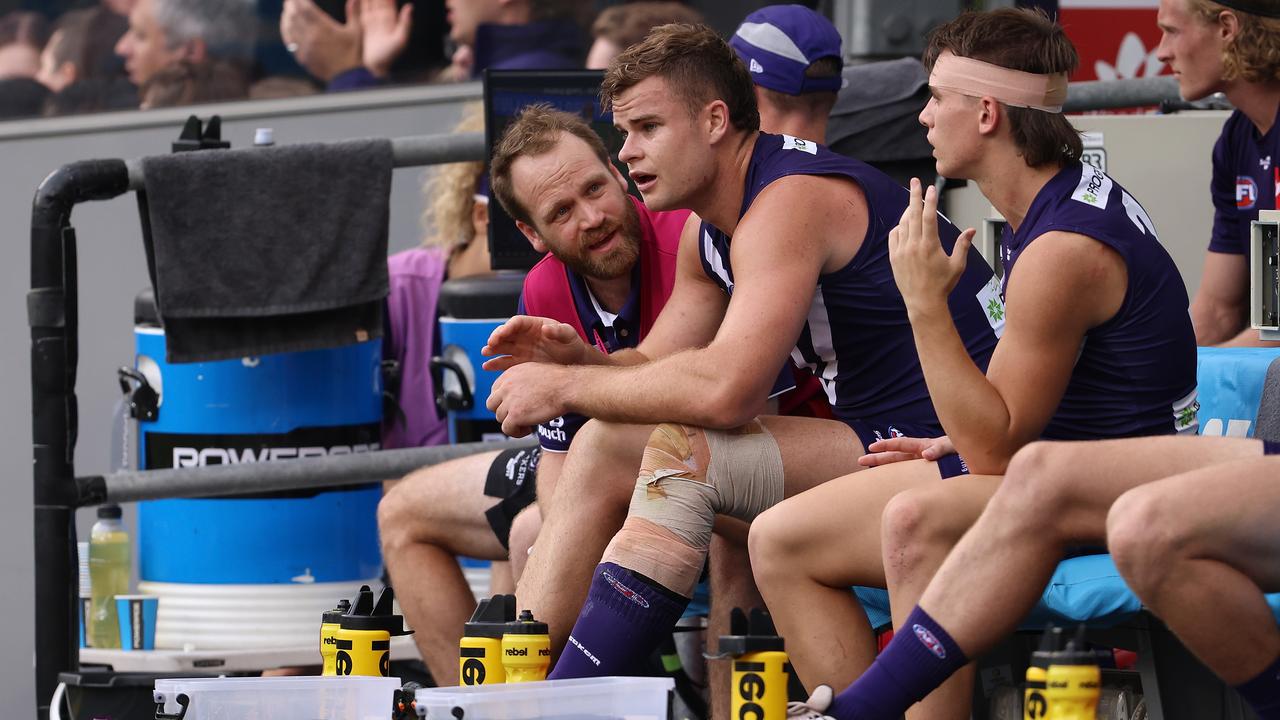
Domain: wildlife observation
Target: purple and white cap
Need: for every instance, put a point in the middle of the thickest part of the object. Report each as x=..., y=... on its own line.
x=779, y=42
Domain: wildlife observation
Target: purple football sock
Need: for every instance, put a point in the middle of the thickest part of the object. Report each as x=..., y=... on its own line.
x=1263, y=692
x=918, y=659
x=623, y=621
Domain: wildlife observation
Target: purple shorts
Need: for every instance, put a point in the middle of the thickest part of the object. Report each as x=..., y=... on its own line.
x=869, y=431
x=1270, y=447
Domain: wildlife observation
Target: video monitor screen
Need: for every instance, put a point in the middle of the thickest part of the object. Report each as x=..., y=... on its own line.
x=506, y=92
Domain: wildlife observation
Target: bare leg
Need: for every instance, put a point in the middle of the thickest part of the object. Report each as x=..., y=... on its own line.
x=425, y=521
x=919, y=528
x=731, y=586
x=1054, y=495
x=588, y=507
x=524, y=531
x=500, y=580
x=1203, y=545
x=807, y=551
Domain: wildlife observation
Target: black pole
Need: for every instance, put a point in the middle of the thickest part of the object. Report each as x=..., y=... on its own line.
x=51, y=314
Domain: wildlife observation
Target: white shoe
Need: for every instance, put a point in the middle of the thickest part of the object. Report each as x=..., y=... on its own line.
x=813, y=708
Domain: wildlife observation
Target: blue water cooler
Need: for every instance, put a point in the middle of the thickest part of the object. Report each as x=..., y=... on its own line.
x=470, y=309
x=257, y=571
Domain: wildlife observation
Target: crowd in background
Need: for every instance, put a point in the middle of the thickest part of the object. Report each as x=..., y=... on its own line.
x=78, y=56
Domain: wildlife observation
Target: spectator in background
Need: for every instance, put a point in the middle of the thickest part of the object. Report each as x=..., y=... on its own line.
x=22, y=36
x=81, y=48
x=188, y=83
x=120, y=7
x=501, y=34
x=622, y=26
x=167, y=33
x=21, y=97
x=352, y=54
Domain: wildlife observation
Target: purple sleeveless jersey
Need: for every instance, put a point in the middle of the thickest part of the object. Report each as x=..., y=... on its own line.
x=856, y=338
x=1246, y=179
x=1136, y=374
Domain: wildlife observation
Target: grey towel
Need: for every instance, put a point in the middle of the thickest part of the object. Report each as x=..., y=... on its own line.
x=876, y=114
x=269, y=249
x=1268, y=427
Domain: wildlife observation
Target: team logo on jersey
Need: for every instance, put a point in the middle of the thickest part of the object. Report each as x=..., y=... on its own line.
x=1094, y=187
x=625, y=591
x=1246, y=192
x=795, y=143
x=992, y=304
x=756, y=67
x=929, y=641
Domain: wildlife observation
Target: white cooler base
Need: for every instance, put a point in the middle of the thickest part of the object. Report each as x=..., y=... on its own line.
x=244, y=617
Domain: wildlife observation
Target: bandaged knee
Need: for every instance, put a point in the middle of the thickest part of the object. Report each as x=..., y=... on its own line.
x=687, y=477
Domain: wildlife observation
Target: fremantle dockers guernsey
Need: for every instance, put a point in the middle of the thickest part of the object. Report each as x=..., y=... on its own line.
x=856, y=338
x=1246, y=179
x=1136, y=373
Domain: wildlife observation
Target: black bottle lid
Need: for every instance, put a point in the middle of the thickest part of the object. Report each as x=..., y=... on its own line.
x=491, y=617
x=526, y=625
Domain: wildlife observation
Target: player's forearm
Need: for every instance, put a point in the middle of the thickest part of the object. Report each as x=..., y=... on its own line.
x=620, y=358
x=971, y=410
x=1247, y=338
x=678, y=388
x=1216, y=321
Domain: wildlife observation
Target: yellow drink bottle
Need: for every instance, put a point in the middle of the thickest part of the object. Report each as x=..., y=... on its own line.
x=363, y=640
x=480, y=649
x=108, y=577
x=1035, y=703
x=329, y=623
x=526, y=649
x=1074, y=682
x=761, y=671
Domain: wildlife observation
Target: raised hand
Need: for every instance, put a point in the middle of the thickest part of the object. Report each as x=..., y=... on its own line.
x=386, y=33
x=321, y=45
x=524, y=339
x=924, y=273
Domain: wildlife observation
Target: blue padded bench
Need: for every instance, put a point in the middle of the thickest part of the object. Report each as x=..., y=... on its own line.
x=1239, y=396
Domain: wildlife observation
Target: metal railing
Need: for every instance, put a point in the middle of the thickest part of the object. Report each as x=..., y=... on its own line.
x=52, y=318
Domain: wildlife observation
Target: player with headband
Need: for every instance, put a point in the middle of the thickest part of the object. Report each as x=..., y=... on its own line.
x=1230, y=47
x=1190, y=521
x=1097, y=344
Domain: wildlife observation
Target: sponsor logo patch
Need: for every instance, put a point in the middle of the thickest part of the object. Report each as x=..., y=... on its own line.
x=755, y=66
x=1094, y=187
x=992, y=305
x=931, y=642
x=623, y=590
x=795, y=143
x=1246, y=192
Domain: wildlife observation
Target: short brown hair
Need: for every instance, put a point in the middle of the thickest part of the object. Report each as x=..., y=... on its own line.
x=626, y=25
x=818, y=104
x=535, y=131
x=697, y=64
x=1253, y=55
x=1026, y=40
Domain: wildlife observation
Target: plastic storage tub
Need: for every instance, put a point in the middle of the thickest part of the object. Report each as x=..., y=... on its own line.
x=278, y=698
x=607, y=698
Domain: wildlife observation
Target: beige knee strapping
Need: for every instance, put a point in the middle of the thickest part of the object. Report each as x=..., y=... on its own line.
x=681, y=489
